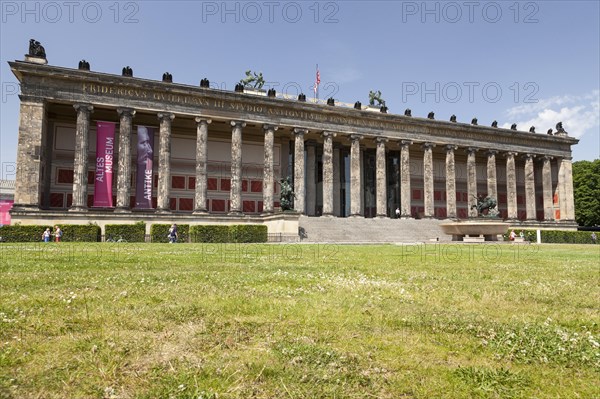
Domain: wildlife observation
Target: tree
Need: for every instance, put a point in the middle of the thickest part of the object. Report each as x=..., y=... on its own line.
x=586, y=186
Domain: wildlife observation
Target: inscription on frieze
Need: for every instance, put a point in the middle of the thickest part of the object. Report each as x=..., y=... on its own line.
x=212, y=104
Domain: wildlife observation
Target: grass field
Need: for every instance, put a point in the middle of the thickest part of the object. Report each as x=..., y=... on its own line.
x=298, y=321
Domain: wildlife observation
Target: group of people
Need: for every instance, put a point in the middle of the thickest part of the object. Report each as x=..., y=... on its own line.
x=513, y=235
x=57, y=233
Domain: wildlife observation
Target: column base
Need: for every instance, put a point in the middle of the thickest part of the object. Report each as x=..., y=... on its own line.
x=78, y=209
x=406, y=217
x=328, y=215
x=357, y=215
x=122, y=209
x=235, y=213
x=200, y=212
x=267, y=213
x=163, y=211
x=25, y=208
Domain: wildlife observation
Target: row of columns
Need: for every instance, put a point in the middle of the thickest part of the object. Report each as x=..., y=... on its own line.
x=126, y=115
x=331, y=174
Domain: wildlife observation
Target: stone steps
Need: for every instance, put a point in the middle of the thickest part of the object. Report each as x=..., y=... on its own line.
x=371, y=230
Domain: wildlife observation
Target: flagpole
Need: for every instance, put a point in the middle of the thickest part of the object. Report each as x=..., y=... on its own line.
x=317, y=84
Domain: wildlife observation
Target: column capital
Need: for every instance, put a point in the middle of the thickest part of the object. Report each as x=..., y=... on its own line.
x=124, y=111
x=165, y=115
x=327, y=134
x=299, y=131
x=203, y=120
x=405, y=143
x=450, y=147
x=238, y=123
x=491, y=152
x=84, y=107
x=381, y=140
x=28, y=98
x=472, y=150
x=511, y=154
x=269, y=126
x=356, y=137
x=547, y=157
x=528, y=156
x=428, y=145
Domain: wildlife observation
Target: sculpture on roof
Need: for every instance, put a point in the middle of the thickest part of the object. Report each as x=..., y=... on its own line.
x=376, y=96
x=36, y=49
x=253, y=80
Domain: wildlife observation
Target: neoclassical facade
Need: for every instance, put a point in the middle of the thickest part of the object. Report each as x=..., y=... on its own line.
x=218, y=157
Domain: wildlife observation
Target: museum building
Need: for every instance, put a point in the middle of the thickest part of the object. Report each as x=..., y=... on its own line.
x=114, y=148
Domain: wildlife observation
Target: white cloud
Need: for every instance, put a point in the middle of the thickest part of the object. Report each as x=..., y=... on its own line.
x=579, y=114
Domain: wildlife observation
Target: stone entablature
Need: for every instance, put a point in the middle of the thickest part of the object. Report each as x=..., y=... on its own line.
x=74, y=86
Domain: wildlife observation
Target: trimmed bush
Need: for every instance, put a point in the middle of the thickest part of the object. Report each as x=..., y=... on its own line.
x=158, y=232
x=126, y=232
x=560, y=236
x=241, y=233
x=81, y=232
x=33, y=233
x=209, y=233
x=248, y=233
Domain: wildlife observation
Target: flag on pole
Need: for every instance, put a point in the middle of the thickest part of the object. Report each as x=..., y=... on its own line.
x=317, y=83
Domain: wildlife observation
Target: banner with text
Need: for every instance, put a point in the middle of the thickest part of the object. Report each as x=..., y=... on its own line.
x=143, y=182
x=105, y=149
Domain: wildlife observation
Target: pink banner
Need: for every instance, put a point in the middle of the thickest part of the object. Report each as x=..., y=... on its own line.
x=105, y=149
x=5, y=206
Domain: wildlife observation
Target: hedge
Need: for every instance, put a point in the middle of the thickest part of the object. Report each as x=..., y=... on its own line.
x=560, y=236
x=33, y=233
x=241, y=233
x=158, y=232
x=126, y=232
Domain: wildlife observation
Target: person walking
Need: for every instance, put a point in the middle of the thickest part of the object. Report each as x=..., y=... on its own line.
x=46, y=235
x=57, y=234
x=173, y=234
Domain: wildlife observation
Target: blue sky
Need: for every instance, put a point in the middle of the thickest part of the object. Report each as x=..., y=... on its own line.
x=530, y=62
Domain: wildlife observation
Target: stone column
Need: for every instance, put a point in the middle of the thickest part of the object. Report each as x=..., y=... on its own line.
x=529, y=187
x=201, y=158
x=428, y=179
x=235, y=193
x=124, y=177
x=328, y=173
x=565, y=187
x=450, y=181
x=511, y=186
x=32, y=131
x=547, y=187
x=405, y=194
x=472, y=182
x=311, y=174
x=381, y=173
x=492, y=182
x=355, y=176
x=268, y=170
x=336, y=180
x=299, y=169
x=164, y=162
x=80, y=172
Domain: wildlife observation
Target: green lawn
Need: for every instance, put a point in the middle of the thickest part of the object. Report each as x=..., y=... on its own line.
x=298, y=321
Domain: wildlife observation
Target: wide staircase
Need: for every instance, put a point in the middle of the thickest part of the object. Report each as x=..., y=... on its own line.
x=371, y=230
